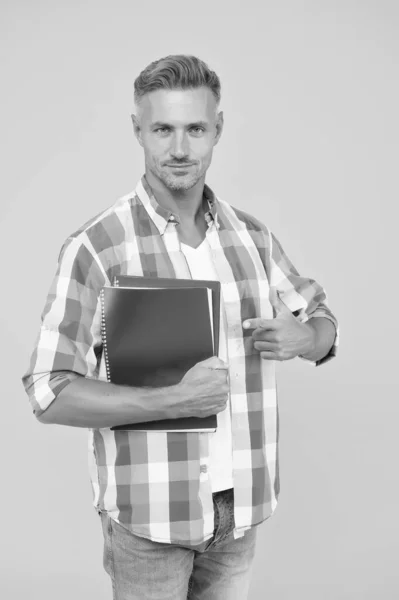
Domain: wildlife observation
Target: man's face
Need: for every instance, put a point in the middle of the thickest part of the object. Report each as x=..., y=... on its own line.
x=178, y=127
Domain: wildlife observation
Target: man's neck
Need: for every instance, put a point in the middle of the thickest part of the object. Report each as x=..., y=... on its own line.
x=187, y=204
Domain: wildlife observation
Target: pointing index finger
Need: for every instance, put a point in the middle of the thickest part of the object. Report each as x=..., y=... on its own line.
x=259, y=323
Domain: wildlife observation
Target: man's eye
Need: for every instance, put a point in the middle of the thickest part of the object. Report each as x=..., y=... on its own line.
x=166, y=130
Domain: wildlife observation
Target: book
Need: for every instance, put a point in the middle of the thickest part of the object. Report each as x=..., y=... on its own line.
x=214, y=286
x=152, y=335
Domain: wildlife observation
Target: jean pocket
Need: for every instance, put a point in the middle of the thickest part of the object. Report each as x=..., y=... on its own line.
x=107, y=553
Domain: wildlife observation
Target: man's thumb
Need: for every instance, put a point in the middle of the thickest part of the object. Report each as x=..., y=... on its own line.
x=214, y=362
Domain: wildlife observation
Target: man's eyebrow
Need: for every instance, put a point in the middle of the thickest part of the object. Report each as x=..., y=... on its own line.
x=203, y=124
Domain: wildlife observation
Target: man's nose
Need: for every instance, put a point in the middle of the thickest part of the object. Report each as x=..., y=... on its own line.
x=179, y=147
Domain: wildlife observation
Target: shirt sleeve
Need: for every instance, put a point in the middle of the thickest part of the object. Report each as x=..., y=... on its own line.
x=69, y=341
x=303, y=296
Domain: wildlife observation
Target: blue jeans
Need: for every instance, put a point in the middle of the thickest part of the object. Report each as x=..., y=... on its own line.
x=219, y=569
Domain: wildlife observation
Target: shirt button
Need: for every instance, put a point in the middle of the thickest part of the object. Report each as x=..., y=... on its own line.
x=171, y=218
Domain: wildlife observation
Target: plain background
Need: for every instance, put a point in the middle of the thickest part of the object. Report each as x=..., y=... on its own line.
x=310, y=96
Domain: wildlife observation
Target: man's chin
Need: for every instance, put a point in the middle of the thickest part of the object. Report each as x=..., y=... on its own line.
x=176, y=184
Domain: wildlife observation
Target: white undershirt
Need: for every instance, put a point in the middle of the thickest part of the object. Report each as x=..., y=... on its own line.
x=201, y=266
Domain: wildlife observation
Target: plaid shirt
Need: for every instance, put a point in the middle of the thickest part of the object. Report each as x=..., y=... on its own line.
x=157, y=484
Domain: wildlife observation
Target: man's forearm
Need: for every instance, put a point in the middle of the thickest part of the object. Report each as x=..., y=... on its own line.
x=323, y=338
x=96, y=404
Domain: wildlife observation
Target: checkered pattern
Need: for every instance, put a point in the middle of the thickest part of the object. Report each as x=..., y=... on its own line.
x=157, y=484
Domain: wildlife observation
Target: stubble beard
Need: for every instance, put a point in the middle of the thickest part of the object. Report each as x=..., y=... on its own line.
x=178, y=183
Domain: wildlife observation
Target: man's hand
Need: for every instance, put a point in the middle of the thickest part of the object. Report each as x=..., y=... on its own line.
x=203, y=391
x=281, y=338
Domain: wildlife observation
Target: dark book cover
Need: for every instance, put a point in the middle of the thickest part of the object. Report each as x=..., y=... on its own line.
x=139, y=281
x=152, y=337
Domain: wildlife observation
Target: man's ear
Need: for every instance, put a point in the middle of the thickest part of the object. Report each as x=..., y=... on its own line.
x=137, y=129
x=219, y=126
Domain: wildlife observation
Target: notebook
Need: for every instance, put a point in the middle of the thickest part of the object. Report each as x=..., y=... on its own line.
x=139, y=281
x=153, y=335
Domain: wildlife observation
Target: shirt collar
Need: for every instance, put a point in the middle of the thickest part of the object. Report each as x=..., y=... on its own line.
x=163, y=216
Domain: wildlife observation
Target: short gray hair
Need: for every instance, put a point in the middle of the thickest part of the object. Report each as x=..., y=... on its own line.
x=178, y=71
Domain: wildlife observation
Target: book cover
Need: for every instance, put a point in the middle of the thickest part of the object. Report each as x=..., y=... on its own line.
x=139, y=281
x=152, y=336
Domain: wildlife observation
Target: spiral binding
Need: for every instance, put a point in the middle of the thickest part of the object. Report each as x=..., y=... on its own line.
x=104, y=335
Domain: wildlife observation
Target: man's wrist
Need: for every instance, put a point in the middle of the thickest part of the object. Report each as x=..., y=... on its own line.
x=324, y=333
x=310, y=342
x=164, y=401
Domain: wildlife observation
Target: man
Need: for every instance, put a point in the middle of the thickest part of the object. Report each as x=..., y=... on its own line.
x=179, y=511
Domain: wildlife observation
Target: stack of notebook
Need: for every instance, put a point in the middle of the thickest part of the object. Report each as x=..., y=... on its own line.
x=153, y=331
